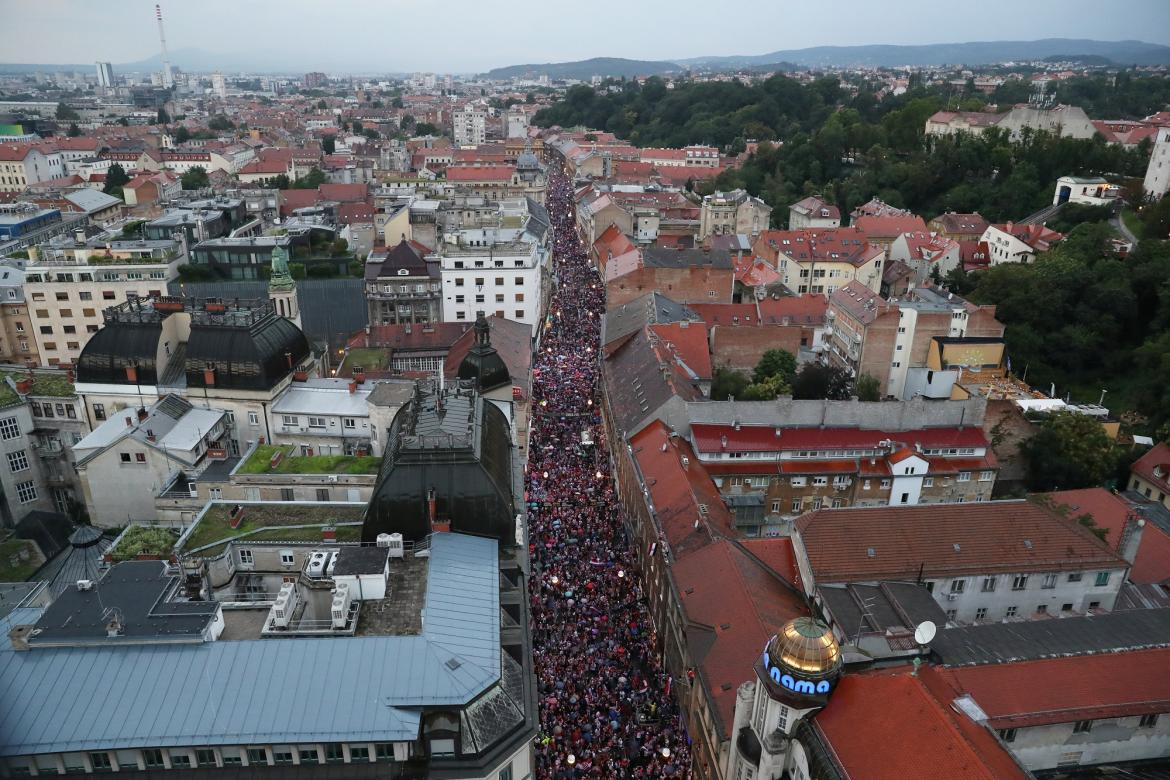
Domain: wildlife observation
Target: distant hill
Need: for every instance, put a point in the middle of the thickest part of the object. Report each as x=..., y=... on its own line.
x=973, y=53
x=1082, y=59
x=585, y=69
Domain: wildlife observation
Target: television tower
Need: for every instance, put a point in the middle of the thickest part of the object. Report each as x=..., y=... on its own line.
x=168, y=76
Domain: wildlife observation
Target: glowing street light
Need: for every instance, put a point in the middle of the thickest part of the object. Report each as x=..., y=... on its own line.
x=571, y=759
x=666, y=752
x=621, y=574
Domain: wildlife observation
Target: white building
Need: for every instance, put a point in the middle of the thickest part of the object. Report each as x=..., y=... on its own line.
x=497, y=271
x=326, y=417
x=1157, y=180
x=1086, y=190
x=470, y=126
x=219, y=85
x=105, y=75
x=22, y=165
x=517, y=124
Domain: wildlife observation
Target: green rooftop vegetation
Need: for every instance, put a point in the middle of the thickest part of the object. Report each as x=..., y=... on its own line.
x=271, y=521
x=144, y=540
x=19, y=560
x=8, y=396
x=259, y=463
x=369, y=358
x=54, y=384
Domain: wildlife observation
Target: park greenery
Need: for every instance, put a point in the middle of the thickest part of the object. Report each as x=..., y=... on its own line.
x=776, y=374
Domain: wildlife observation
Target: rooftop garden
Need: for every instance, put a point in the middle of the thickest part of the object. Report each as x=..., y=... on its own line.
x=270, y=523
x=19, y=560
x=49, y=383
x=8, y=396
x=369, y=358
x=143, y=540
x=260, y=462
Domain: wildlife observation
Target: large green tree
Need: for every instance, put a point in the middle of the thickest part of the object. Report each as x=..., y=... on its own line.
x=1070, y=451
x=195, y=178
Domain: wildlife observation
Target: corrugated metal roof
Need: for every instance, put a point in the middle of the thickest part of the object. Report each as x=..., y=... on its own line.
x=265, y=690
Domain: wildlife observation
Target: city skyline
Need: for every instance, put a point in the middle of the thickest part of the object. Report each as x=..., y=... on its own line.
x=476, y=38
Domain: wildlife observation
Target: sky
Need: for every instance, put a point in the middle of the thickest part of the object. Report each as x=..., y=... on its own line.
x=374, y=36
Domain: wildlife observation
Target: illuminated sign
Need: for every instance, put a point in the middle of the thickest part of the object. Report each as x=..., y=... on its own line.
x=796, y=685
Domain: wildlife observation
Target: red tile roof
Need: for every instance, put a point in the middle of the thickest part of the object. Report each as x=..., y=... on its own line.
x=947, y=540
x=476, y=173
x=843, y=245
x=888, y=227
x=894, y=715
x=726, y=313
x=1065, y=690
x=1111, y=512
x=1154, y=466
x=687, y=343
x=344, y=193
x=808, y=309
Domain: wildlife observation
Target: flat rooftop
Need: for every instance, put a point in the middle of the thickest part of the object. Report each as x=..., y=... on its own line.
x=271, y=521
x=260, y=462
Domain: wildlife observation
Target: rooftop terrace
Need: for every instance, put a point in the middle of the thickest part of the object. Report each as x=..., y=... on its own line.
x=272, y=521
x=260, y=462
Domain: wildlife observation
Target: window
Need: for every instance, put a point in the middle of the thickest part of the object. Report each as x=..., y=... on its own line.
x=99, y=411
x=17, y=461
x=282, y=756
x=286, y=494
x=316, y=422
x=459, y=282
x=290, y=419
x=100, y=762
x=125, y=457
x=322, y=494
x=885, y=484
x=519, y=280
x=140, y=457
x=1094, y=604
x=153, y=758
x=66, y=313
x=231, y=756
x=253, y=418
x=85, y=296
x=1007, y=735
x=1019, y=582
x=26, y=491
x=384, y=751
x=519, y=314
x=1148, y=721
x=952, y=614
x=499, y=297
x=1102, y=578
x=205, y=757
x=795, y=505
x=1049, y=581
x=927, y=482
x=246, y=556
x=442, y=747
x=1066, y=607
x=958, y=586
x=1010, y=612
x=349, y=422
x=506, y=773
x=1041, y=609
x=820, y=481
x=1082, y=727
x=988, y=585
x=981, y=613
x=257, y=757
x=519, y=297
x=460, y=315
x=287, y=558
x=798, y=481
x=986, y=476
x=776, y=505
x=9, y=428
x=460, y=298
x=359, y=754
x=479, y=281
x=964, y=476
x=866, y=484
x=46, y=330
x=309, y=756
x=499, y=281
x=47, y=410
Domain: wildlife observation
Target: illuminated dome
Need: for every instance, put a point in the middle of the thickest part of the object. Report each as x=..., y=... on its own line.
x=807, y=647
x=801, y=664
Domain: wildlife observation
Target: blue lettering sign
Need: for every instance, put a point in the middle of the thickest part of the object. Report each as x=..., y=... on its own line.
x=805, y=687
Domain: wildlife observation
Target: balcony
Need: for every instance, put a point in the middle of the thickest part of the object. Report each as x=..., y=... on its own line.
x=49, y=449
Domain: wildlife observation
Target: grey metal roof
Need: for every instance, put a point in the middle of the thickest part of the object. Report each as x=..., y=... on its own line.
x=361, y=560
x=265, y=690
x=91, y=200
x=652, y=307
x=879, y=608
x=991, y=643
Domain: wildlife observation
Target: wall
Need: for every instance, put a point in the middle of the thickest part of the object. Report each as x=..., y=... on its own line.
x=1109, y=740
x=1079, y=594
x=117, y=493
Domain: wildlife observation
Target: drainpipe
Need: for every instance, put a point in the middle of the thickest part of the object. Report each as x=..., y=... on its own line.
x=267, y=432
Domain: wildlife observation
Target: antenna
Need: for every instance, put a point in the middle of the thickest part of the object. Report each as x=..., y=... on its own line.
x=168, y=76
x=925, y=632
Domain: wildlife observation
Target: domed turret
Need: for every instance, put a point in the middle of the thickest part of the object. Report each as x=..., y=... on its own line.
x=801, y=664
x=483, y=364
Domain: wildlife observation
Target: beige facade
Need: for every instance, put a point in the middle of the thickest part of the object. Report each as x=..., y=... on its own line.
x=731, y=213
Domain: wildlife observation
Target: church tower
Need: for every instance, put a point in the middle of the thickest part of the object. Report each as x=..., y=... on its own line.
x=282, y=290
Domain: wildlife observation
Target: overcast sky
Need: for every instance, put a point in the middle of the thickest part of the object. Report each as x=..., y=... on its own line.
x=473, y=35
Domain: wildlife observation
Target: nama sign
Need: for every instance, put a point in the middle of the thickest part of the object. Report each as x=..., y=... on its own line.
x=785, y=680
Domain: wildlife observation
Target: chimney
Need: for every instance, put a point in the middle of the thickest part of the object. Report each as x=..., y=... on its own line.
x=1131, y=537
x=359, y=374
x=209, y=376
x=142, y=413
x=114, y=627
x=24, y=384
x=353, y=387
x=132, y=374
x=19, y=637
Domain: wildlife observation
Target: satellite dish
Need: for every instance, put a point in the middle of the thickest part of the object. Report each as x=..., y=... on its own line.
x=925, y=632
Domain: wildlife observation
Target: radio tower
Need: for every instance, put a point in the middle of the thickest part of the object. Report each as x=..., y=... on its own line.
x=168, y=77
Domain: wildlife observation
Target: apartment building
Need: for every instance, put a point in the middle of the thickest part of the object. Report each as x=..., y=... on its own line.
x=1157, y=179
x=72, y=281
x=23, y=165
x=821, y=261
x=18, y=346
x=402, y=286
x=469, y=125
x=997, y=560
x=732, y=213
x=813, y=212
x=890, y=340
x=497, y=271
x=1015, y=243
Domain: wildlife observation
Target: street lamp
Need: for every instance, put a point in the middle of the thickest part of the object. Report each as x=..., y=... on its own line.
x=666, y=752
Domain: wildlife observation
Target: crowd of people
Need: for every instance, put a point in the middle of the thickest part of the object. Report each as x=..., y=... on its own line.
x=605, y=705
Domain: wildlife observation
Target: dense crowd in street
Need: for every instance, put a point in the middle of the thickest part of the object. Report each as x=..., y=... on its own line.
x=605, y=705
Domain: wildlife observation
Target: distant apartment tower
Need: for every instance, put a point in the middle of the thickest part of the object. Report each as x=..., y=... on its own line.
x=105, y=74
x=219, y=85
x=517, y=124
x=314, y=79
x=470, y=126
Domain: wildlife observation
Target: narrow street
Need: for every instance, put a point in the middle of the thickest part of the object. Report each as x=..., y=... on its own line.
x=605, y=706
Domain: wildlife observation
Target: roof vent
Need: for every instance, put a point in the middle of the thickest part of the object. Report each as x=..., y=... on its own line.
x=452, y=664
x=870, y=552
x=1028, y=543
x=724, y=626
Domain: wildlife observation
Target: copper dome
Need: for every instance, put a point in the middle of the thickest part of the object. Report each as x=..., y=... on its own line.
x=807, y=647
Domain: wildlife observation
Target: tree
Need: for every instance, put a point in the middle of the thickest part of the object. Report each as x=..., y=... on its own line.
x=340, y=247
x=328, y=144
x=163, y=118
x=279, y=181
x=775, y=362
x=1069, y=451
x=371, y=133
x=868, y=388
x=196, y=178
x=728, y=383
x=322, y=104
x=356, y=127
x=66, y=113
x=311, y=181
x=182, y=135
x=426, y=128
x=816, y=381
x=73, y=130
x=115, y=178
x=220, y=122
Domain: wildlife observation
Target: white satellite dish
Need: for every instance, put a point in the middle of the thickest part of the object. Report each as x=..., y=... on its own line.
x=925, y=632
